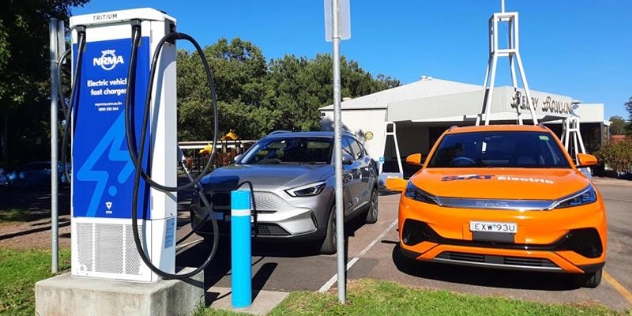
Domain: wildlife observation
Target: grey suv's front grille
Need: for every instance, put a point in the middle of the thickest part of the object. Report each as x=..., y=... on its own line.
x=263, y=201
x=269, y=201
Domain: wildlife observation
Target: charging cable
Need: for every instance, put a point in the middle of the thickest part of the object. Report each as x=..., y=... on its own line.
x=137, y=152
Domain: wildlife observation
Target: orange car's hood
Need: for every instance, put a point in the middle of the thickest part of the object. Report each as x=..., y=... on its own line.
x=518, y=183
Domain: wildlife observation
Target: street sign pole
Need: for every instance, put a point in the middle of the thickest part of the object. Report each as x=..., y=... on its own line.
x=337, y=12
x=340, y=235
x=56, y=28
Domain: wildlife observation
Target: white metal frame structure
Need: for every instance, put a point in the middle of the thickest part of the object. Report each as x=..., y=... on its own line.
x=571, y=130
x=393, y=133
x=512, y=51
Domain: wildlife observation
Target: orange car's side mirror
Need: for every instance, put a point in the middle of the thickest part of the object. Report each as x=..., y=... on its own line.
x=395, y=184
x=414, y=160
x=586, y=160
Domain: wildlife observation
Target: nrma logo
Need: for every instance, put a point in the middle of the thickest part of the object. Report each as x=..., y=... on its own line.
x=108, y=59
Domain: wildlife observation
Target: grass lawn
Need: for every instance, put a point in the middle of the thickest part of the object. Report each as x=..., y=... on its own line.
x=372, y=297
x=20, y=270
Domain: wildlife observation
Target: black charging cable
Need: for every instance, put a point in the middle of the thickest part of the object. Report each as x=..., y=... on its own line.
x=137, y=154
x=74, y=95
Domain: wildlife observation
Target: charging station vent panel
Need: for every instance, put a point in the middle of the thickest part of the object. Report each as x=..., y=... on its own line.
x=132, y=259
x=84, y=249
x=108, y=248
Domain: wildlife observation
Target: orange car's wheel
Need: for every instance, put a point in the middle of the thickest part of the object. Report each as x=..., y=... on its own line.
x=589, y=279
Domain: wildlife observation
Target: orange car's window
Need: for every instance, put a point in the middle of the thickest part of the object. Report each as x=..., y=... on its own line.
x=506, y=149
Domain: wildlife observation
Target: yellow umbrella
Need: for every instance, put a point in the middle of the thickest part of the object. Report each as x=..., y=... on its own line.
x=230, y=136
x=206, y=150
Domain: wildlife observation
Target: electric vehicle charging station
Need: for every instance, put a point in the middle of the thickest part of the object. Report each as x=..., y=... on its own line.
x=103, y=172
x=125, y=156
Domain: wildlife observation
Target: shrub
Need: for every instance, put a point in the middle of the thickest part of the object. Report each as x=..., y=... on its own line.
x=617, y=155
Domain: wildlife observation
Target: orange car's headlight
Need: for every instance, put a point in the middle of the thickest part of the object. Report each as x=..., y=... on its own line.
x=581, y=197
x=417, y=194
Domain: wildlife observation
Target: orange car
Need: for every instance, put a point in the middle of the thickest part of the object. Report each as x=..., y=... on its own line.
x=503, y=196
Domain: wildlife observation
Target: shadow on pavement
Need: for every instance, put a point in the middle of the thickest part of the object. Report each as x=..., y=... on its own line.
x=32, y=205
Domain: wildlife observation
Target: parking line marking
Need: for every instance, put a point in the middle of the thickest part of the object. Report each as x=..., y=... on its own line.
x=617, y=286
x=180, y=246
x=355, y=259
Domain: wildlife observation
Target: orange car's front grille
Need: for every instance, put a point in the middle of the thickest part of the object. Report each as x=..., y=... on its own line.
x=496, y=260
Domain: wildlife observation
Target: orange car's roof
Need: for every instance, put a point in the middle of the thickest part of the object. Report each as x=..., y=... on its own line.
x=504, y=127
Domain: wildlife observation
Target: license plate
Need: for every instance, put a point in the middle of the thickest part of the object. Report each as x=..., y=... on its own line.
x=494, y=227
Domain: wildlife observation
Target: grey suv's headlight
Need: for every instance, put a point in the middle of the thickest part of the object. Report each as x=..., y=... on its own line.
x=307, y=190
x=582, y=197
x=417, y=194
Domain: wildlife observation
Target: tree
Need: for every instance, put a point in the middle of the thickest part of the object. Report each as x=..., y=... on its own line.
x=302, y=86
x=240, y=77
x=617, y=125
x=256, y=97
x=628, y=107
x=24, y=64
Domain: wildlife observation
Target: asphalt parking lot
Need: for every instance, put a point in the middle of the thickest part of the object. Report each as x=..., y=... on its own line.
x=373, y=253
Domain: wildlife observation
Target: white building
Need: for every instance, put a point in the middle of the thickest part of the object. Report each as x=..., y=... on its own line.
x=422, y=110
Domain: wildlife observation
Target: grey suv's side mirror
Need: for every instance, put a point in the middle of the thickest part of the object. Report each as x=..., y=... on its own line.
x=347, y=159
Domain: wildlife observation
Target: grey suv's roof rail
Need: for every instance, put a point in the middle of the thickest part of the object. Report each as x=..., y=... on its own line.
x=279, y=131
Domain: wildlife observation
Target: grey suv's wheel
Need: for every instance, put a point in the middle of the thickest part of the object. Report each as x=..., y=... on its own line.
x=329, y=243
x=371, y=214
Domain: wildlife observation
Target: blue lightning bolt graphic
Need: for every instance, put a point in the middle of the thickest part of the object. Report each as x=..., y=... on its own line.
x=113, y=139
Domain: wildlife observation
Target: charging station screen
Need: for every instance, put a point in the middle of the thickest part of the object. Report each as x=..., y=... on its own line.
x=103, y=172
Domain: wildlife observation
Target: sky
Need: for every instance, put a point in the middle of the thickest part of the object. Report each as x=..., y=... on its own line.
x=576, y=48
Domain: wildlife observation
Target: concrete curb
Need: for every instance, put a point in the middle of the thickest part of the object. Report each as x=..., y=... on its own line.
x=262, y=303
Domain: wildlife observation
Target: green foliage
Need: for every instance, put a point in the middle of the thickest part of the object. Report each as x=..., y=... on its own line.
x=16, y=215
x=20, y=271
x=616, y=155
x=24, y=64
x=617, y=125
x=256, y=97
x=628, y=107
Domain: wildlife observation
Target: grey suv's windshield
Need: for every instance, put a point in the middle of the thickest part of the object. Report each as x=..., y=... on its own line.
x=316, y=150
x=513, y=149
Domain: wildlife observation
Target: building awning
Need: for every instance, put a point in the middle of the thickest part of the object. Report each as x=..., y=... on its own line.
x=466, y=106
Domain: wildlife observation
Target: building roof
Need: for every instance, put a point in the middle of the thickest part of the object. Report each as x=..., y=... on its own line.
x=500, y=127
x=426, y=87
x=434, y=100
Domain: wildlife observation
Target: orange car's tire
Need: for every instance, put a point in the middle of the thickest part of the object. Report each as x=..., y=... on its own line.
x=404, y=263
x=372, y=210
x=329, y=244
x=590, y=279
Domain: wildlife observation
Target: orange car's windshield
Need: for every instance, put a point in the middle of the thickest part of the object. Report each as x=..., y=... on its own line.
x=503, y=149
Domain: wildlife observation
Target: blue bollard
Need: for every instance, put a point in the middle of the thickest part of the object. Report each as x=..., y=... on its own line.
x=241, y=253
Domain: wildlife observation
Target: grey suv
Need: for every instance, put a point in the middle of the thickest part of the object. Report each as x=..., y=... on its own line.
x=292, y=177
